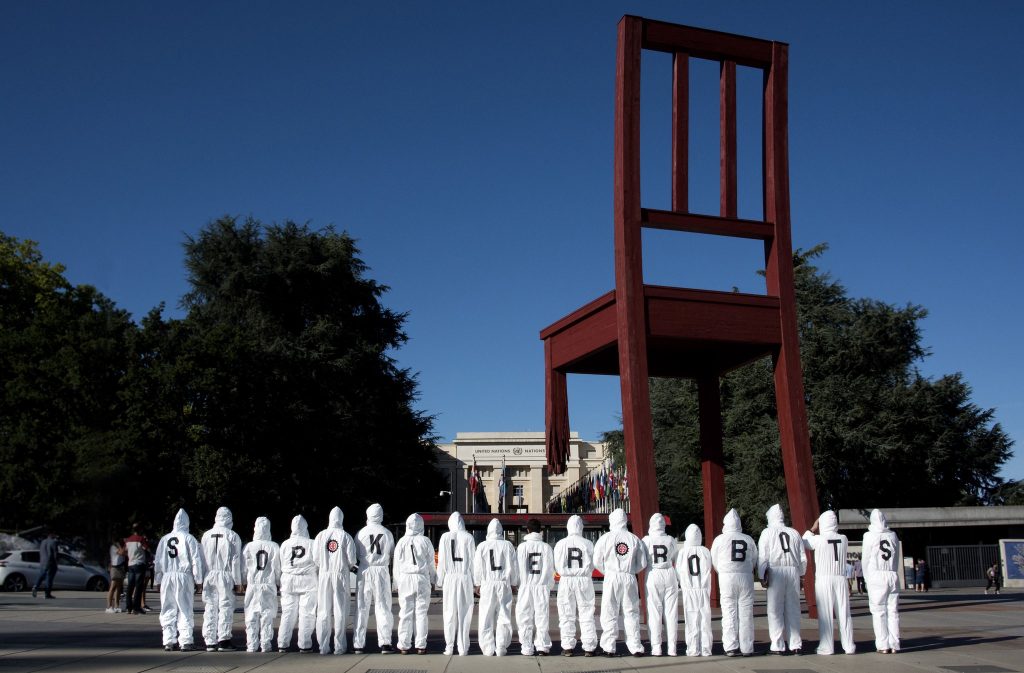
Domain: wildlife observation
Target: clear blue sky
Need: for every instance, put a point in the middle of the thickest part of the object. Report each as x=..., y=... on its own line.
x=468, y=146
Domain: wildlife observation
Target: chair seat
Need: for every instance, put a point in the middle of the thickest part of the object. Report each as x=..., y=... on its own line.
x=689, y=333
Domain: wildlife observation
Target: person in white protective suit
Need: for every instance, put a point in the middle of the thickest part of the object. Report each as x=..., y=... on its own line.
x=374, y=546
x=178, y=570
x=693, y=566
x=662, y=587
x=334, y=552
x=881, y=563
x=536, y=580
x=455, y=552
x=620, y=555
x=782, y=562
x=222, y=551
x=830, y=588
x=414, y=573
x=262, y=560
x=495, y=571
x=574, y=562
x=734, y=557
x=298, y=587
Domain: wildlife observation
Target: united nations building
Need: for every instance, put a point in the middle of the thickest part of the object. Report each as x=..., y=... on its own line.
x=528, y=486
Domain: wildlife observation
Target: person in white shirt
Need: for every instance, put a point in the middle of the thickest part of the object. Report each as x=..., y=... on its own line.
x=782, y=562
x=620, y=555
x=574, y=563
x=262, y=559
x=178, y=571
x=298, y=587
x=693, y=566
x=881, y=565
x=734, y=557
x=414, y=573
x=222, y=550
x=536, y=580
x=830, y=588
x=495, y=571
x=455, y=552
x=662, y=587
x=374, y=546
x=334, y=553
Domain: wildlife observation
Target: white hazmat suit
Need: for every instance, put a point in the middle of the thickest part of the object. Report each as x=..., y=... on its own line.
x=881, y=563
x=222, y=550
x=334, y=553
x=178, y=567
x=298, y=587
x=574, y=562
x=533, y=606
x=734, y=557
x=782, y=562
x=620, y=555
x=413, y=572
x=455, y=552
x=830, y=588
x=495, y=571
x=693, y=567
x=374, y=546
x=262, y=559
x=662, y=587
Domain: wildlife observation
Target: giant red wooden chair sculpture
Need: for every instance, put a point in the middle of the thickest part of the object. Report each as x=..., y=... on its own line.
x=638, y=330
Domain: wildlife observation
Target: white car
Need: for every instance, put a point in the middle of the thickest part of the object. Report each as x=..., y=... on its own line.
x=19, y=570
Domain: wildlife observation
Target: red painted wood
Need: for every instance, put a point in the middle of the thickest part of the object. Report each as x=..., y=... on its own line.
x=706, y=224
x=556, y=415
x=680, y=132
x=709, y=44
x=712, y=463
x=727, y=138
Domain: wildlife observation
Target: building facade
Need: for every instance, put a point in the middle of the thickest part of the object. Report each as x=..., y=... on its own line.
x=528, y=486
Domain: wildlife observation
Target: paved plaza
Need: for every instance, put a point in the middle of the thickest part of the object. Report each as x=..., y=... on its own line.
x=943, y=631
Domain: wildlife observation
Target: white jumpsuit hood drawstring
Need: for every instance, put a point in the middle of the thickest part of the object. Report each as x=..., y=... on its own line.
x=222, y=549
x=262, y=560
x=782, y=562
x=662, y=587
x=455, y=551
x=374, y=546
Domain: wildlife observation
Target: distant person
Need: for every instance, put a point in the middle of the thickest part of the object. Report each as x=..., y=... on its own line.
x=222, y=551
x=536, y=580
x=374, y=546
x=574, y=563
x=47, y=565
x=782, y=561
x=178, y=570
x=262, y=561
x=734, y=557
x=118, y=570
x=619, y=556
x=858, y=575
x=298, y=588
x=830, y=587
x=848, y=573
x=994, y=575
x=334, y=552
x=693, y=567
x=495, y=571
x=662, y=588
x=920, y=575
x=455, y=552
x=881, y=571
x=414, y=572
x=135, y=583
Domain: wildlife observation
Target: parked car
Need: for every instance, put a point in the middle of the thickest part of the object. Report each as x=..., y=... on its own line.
x=20, y=569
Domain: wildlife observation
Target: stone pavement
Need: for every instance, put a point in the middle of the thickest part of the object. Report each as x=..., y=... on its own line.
x=942, y=631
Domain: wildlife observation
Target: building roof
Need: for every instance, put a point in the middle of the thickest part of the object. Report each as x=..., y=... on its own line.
x=936, y=517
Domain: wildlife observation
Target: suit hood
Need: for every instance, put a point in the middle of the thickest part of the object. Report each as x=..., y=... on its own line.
x=262, y=529
x=223, y=518
x=878, y=522
x=495, y=531
x=299, y=526
x=828, y=522
x=617, y=520
x=693, y=537
x=657, y=526
x=181, y=522
x=731, y=523
x=336, y=519
x=574, y=525
x=374, y=515
x=455, y=523
x=414, y=525
x=774, y=517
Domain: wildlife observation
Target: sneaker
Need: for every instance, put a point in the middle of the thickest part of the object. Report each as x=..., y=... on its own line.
x=421, y=650
x=386, y=649
x=188, y=647
x=169, y=648
x=588, y=653
x=117, y=611
x=747, y=654
x=567, y=653
x=638, y=654
x=448, y=652
x=797, y=652
x=109, y=611
x=211, y=648
x=357, y=650
x=403, y=651
x=225, y=646
x=610, y=654
x=305, y=650
x=732, y=653
x=777, y=653
x=542, y=653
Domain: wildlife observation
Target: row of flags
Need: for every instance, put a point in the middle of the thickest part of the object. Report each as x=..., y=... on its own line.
x=476, y=487
x=601, y=490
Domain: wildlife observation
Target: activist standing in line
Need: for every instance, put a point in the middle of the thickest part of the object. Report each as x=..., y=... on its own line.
x=178, y=570
x=734, y=557
x=374, y=546
x=620, y=555
x=334, y=553
x=262, y=561
x=455, y=552
x=693, y=566
x=413, y=572
x=782, y=562
x=574, y=563
x=881, y=563
x=495, y=571
x=662, y=587
x=536, y=580
x=830, y=588
x=298, y=588
x=222, y=551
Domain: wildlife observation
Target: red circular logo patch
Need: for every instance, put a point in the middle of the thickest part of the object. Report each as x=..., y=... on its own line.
x=622, y=549
x=332, y=546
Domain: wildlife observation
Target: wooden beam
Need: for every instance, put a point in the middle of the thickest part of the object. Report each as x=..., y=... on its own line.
x=709, y=44
x=707, y=224
x=680, y=132
x=712, y=462
x=727, y=137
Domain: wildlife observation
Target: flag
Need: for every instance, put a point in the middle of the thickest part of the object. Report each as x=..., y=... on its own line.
x=501, y=487
x=474, y=478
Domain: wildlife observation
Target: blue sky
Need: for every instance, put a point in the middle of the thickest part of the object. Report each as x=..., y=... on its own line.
x=468, y=147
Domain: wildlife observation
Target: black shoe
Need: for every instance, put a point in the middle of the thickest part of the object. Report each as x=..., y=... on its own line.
x=421, y=650
x=50, y=596
x=225, y=646
x=306, y=650
x=168, y=648
x=588, y=653
x=567, y=653
x=211, y=648
x=610, y=654
x=188, y=647
x=732, y=653
x=746, y=654
x=777, y=653
x=638, y=654
x=542, y=653
x=34, y=592
x=386, y=649
x=797, y=652
x=404, y=651
x=357, y=650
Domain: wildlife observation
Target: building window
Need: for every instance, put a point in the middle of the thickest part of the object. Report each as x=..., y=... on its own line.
x=517, y=491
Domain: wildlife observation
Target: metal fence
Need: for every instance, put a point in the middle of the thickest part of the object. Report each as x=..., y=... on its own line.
x=961, y=565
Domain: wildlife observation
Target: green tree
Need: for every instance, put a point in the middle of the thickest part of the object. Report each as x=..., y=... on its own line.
x=882, y=434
